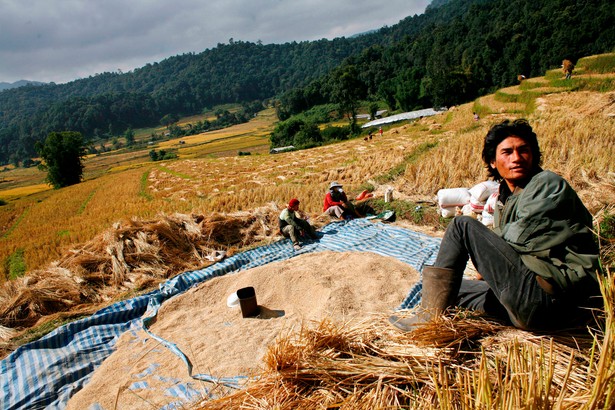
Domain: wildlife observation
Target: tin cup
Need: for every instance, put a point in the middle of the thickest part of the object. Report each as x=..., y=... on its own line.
x=247, y=302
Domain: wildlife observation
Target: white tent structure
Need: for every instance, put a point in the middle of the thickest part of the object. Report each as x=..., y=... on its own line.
x=403, y=116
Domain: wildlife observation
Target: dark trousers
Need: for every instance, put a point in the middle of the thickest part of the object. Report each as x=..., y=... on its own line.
x=291, y=232
x=509, y=290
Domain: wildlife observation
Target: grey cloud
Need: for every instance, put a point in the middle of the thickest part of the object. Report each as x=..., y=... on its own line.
x=62, y=40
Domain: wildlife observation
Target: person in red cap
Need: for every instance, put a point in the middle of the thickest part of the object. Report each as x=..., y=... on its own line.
x=293, y=226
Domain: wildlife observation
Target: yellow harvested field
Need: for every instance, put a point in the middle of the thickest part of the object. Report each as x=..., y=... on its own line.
x=576, y=135
x=19, y=192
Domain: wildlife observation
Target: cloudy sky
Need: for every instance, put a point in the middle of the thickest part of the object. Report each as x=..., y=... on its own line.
x=62, y=40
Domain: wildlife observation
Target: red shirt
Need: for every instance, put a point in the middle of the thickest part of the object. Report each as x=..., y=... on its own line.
x=329, y=201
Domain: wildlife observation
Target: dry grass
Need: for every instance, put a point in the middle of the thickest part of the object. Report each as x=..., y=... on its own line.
x=452, y=363
x=207, y=200
x=575, y=133
x=133, y=255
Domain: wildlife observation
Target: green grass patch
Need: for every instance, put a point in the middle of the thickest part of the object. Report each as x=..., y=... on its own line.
x=15, y=265
x=400, y=168
x=480, y=109
x=64, y=233
x=530, y=85
x=366, y=186
x=602, y=85
x=606, y=230
x=584, y=84
x=143, y=186
x=175, y=173
x=509, y=98
x=16, y=224
x=607, y=227
x=600, y=64
x=530, y=107
x=554, y=75
x=85, y=203
x=471, y=128
x=419, y=214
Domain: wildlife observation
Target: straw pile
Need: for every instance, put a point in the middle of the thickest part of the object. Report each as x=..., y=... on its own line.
x=134, y=255
x=454, y=362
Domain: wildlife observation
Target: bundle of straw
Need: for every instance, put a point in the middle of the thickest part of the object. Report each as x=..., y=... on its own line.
x=452, y=362
x=133, y=255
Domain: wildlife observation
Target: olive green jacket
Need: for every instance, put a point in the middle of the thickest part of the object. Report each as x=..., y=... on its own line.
x=288, y=217
x=548, y=225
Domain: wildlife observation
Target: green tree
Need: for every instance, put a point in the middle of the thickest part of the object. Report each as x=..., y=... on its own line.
x=373, y=110
x=62, y=153
x=169, y=119
x=307, y=136
x=348, y=90
x=130, y=137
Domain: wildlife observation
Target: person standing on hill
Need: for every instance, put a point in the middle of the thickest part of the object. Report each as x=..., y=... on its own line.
x=337, y=204
x=567, y=68
x=540, y=264
x=293, y=226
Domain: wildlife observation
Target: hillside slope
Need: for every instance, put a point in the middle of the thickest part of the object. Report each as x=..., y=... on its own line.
x=576, y=131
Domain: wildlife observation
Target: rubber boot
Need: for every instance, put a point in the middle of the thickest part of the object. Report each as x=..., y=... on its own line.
x=440, y=290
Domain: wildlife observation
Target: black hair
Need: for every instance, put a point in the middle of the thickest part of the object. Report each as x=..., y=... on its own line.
x=499, y=132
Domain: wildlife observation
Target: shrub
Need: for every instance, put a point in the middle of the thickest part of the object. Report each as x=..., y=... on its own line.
x=15, y=265
x=607, y=227
x=335, y=133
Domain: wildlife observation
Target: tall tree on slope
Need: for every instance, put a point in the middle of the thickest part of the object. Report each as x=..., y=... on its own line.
x=62, y=154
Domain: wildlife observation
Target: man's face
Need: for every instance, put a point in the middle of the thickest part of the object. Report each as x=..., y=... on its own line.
x=513, y=161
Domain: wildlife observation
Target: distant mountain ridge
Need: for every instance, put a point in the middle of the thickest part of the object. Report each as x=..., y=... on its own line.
x=455, y=51
x=20, y=83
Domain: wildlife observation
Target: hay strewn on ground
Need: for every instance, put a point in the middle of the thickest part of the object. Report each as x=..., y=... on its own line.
x=132, y=256
x=456, y=362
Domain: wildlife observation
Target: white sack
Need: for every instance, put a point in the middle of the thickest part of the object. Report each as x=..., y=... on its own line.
x=483, y=190
x=491, y=202
x=467, y=210
x=451, y=197
x=487, y=219
x=448, y=212
x=476, y=205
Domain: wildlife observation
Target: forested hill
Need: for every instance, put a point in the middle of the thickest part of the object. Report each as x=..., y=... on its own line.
x=467, y=48
x=453, y=52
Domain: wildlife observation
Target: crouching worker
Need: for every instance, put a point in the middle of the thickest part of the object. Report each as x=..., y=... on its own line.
x=293, y=226
x=337, y=204
x=539, y=265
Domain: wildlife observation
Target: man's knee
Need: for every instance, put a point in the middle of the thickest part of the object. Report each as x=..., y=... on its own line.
x=464, y=220
x=464, y=223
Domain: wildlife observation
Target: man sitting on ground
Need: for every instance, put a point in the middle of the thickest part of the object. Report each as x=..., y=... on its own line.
x=337, y=203
x=293, y=226
x=539, y=265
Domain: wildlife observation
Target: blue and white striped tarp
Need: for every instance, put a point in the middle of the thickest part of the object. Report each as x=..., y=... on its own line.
x=47, y=372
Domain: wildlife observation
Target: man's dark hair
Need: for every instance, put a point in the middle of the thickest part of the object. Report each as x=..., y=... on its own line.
x=499, y=132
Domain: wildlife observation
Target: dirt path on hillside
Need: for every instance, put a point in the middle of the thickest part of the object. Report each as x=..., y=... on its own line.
x=142, y=374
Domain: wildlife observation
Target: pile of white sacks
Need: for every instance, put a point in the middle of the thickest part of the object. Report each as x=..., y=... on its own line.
x=478, y=201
